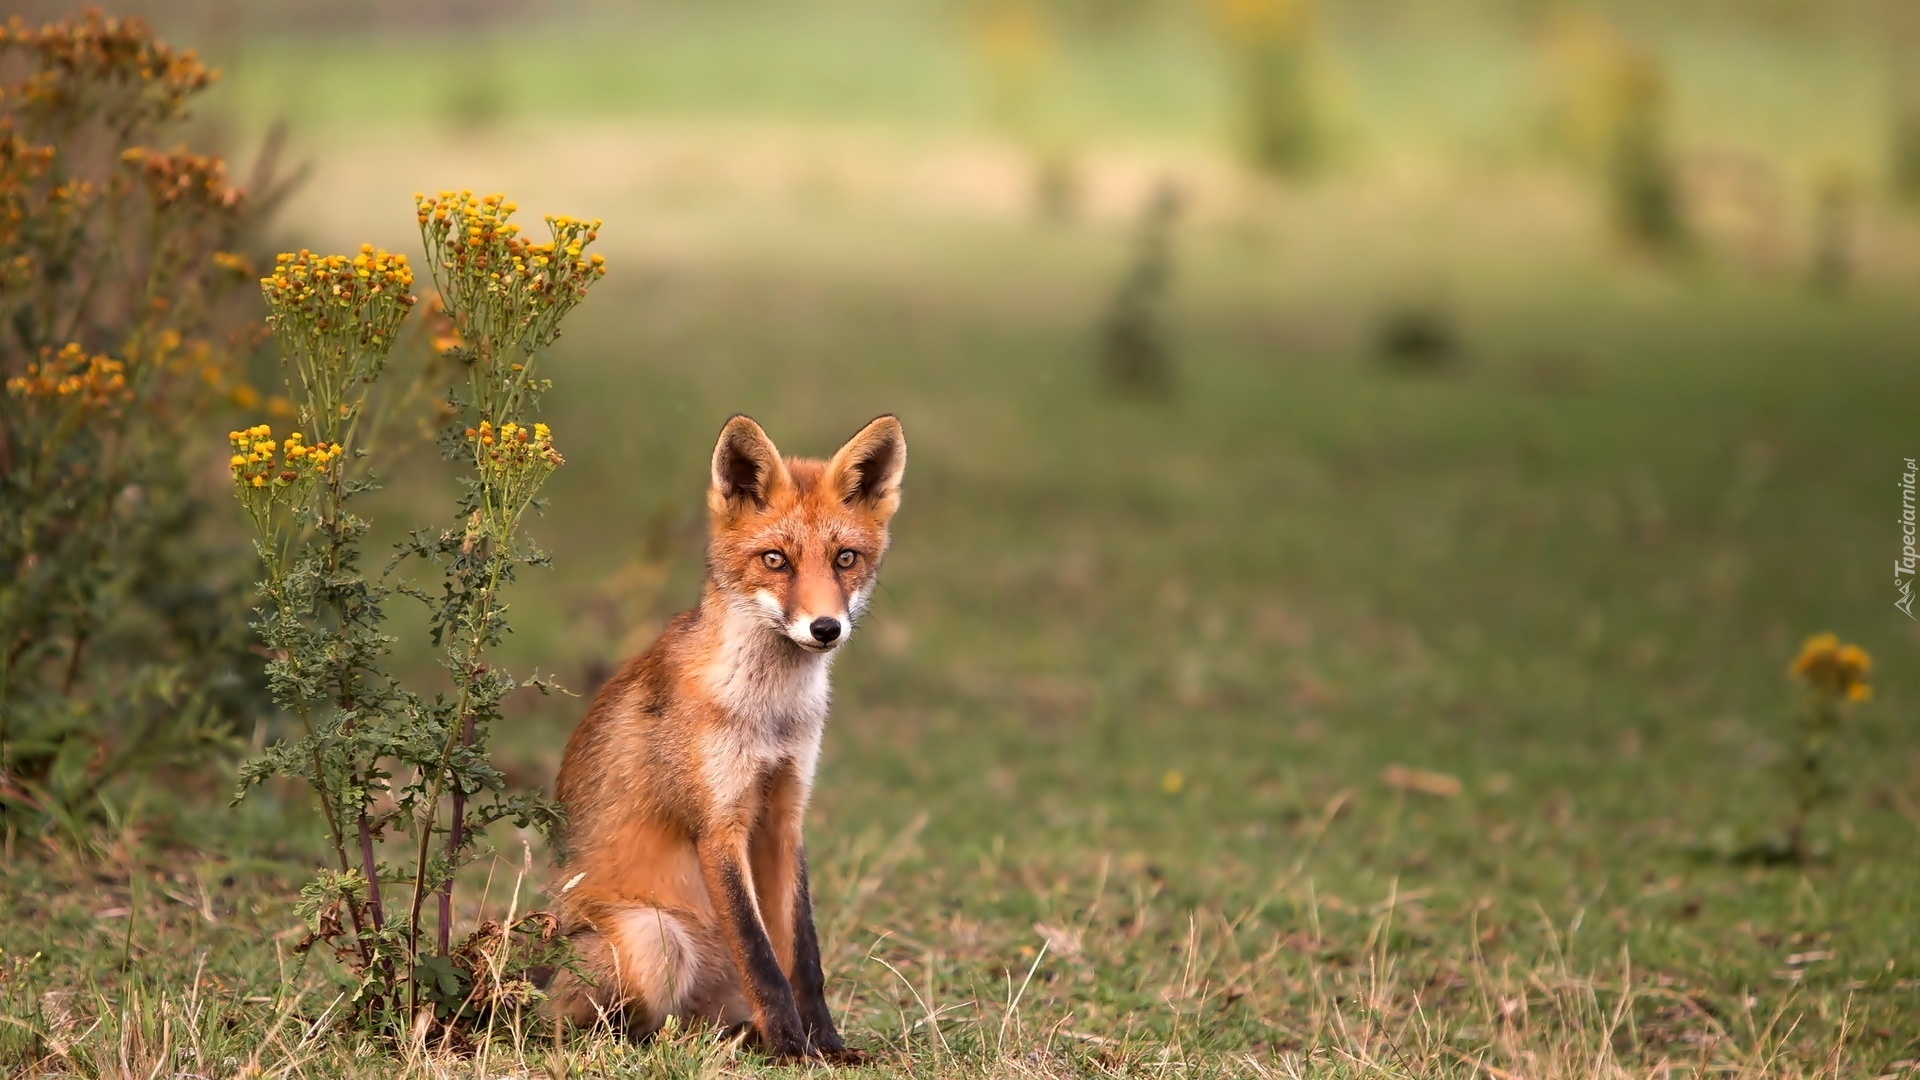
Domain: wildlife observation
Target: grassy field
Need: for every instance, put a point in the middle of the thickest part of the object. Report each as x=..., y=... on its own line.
x=1115, y=783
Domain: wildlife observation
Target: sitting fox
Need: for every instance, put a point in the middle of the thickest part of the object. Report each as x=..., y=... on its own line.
x=686, y=879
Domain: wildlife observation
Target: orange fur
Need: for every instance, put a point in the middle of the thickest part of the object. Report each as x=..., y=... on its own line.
x=686, y=784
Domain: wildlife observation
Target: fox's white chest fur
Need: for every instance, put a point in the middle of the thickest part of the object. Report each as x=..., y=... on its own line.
x=775, y=697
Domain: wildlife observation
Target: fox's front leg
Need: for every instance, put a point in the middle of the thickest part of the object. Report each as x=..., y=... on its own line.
x=779, y=858
x=723, y=864
x=809, y=982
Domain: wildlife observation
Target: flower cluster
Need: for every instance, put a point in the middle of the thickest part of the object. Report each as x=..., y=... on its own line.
x=272, y=477
x=513, y=461
x=255, y=464
x=28, y=211
x=336, y=317
x=22, y=164
x=320, y=286
x=22, y=161
x=74, y=375
x=77, y=59
x=1834, y=669
x=195, y=179
x=506, y=290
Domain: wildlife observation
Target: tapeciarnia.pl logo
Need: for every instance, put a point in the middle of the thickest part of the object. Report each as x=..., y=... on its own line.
x=1903, y=569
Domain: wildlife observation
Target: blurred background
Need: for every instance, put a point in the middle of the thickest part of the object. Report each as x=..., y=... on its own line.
x=1497, y=388
x=1291, y=386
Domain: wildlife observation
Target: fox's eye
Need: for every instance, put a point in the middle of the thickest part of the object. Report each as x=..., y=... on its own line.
x=774, y=560
x=846, y=558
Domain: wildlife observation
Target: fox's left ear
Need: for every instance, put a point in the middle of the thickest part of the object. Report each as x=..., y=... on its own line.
x=867, y=471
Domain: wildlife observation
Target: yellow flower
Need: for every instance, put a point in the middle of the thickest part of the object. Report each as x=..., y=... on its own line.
x=1833, y=668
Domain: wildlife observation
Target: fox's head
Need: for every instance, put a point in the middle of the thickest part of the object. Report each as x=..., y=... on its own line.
x=796, y=541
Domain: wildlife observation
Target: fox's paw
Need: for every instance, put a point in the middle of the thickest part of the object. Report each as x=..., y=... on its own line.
x=843, y=1056
x=784, y=1044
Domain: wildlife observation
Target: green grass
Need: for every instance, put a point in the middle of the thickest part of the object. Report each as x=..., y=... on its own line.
x=1808, y=88
x=1569, y=575
x=1103, y=790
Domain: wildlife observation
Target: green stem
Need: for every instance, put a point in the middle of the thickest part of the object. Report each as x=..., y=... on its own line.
x=336, y=546
x=475, y=645
x=276, y=590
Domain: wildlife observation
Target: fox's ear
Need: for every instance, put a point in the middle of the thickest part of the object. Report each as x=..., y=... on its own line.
x=747, y=469
x=868, y=470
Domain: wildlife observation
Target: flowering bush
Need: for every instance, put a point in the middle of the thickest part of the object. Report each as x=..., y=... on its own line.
x=403, y=778
x=118, y=642
x=1834, y=677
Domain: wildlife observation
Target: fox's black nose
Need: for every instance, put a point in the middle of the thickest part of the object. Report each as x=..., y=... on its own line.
x=826, y=629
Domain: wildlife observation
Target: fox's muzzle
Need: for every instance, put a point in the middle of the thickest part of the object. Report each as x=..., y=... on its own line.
x=820, y=633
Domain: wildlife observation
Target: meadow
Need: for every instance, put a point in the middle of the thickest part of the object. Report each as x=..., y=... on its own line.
x=1320, y=717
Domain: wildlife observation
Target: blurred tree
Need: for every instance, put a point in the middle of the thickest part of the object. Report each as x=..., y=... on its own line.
x=1270, y=49
x=1608, y=105
x=1904, y=153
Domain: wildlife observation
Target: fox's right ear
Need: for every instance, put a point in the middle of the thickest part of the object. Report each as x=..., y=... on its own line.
x=747, y=469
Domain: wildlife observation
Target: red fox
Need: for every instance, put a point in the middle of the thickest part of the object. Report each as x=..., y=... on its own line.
x=685, y=885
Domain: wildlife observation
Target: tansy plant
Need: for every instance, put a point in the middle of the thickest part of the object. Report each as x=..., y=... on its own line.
x=1833, y=679
x=122, y=646
x=403, y=778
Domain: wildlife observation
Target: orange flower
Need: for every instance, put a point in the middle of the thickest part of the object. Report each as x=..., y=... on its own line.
x=72, y=375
